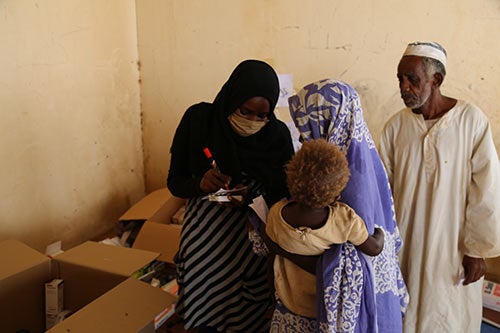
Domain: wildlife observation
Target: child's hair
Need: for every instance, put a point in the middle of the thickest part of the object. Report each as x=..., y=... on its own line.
x=317, y=173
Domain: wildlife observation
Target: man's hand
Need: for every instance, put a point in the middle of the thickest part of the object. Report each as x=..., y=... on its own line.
x=474, y=269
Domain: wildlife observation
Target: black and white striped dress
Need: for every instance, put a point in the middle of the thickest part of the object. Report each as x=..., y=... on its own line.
x=223, y=283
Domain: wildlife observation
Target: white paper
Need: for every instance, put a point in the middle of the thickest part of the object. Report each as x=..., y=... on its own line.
x=295, y=135
x=286, y=89
x=222, y=194
x=54, y=249
x=260, y=207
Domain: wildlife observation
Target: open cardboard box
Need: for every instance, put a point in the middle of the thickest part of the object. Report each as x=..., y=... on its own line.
x=89, y=271
x=157, y=233
x=129, y=307
x=97, y=283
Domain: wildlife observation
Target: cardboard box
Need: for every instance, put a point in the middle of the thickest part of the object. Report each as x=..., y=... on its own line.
x=51, y=320
x=126, y=308
x=23, y=273
x=157, y=234
x=163, y=238
x=89, y=271
x=96, y=277
x=158, y=206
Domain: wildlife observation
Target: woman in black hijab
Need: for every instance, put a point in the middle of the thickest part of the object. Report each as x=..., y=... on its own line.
x=223, y=283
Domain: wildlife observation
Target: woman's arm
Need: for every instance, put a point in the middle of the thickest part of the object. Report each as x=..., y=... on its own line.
x=307, y=263
x=180, y=181
x=374, y=244
x=190, y=174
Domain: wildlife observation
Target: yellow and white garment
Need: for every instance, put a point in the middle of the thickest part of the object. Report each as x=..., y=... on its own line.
x=295, y=287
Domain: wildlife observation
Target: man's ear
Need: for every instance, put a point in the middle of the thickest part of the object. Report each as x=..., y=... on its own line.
x=438, y=79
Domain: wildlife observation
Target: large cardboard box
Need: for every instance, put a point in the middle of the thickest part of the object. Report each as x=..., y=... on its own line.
x=157, y=233
x=23, y=273
x=126, y=308
x=163, y=238
x=95, y=277
x=159, y=206
x=89, y=271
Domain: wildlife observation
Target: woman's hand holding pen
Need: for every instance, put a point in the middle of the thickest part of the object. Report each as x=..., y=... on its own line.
x=213, y=180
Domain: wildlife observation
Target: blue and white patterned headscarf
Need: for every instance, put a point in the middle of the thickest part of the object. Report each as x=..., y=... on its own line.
x=356, y=293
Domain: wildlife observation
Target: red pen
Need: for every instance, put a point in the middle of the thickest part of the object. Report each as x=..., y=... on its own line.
x=208, y=154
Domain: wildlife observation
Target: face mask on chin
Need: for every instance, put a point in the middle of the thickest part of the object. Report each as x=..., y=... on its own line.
x=243, y=126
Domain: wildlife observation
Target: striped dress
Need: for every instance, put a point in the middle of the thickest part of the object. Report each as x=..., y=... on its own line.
x=223, y=283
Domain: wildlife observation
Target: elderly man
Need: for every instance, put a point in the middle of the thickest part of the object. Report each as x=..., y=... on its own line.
x=445, y=176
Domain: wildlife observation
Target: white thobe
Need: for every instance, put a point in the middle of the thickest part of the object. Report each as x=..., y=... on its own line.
x=446, y=186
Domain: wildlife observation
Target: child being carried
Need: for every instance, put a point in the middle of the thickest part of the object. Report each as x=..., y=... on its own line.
x=313, y=221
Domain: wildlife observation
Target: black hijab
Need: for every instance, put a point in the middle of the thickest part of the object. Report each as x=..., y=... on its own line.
x=261, y=155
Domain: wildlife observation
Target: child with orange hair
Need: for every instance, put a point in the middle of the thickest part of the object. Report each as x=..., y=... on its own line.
x=312, y=221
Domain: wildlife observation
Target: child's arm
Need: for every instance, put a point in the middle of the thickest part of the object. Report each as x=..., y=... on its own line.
x=374, y=244
x=307, y=263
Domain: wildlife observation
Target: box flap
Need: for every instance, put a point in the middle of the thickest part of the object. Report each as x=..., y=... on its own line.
x=158, y=237
x=108, y=258
x=18, y=257
x=168, y=210
x=129, y=307
x=147, y=206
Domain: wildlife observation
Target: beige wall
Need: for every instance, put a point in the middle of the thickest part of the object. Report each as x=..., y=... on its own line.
x=189, y=48
x=71, y=122
x=70, y=148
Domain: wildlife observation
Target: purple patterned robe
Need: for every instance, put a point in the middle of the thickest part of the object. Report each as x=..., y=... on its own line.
x=356, y=293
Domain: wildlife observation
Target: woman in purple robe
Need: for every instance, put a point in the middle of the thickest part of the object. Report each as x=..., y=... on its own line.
x=355, y=292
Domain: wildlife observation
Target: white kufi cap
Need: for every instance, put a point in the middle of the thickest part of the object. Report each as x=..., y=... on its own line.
x=427, y=49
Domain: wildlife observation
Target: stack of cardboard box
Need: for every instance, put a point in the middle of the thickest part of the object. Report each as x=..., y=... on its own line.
x=99, y=287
